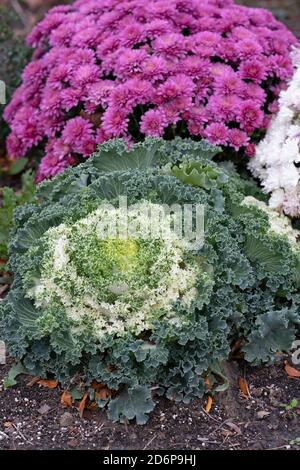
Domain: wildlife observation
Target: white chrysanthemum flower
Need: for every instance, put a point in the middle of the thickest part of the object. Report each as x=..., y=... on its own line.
x=277, y=198
x=277, y=156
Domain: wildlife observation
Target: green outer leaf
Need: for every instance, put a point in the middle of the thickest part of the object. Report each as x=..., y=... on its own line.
x=272, y=333
x=132, y=403
x=14, y=372
x=18, y=166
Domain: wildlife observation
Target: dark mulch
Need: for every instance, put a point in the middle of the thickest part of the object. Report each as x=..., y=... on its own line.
x=33, y=418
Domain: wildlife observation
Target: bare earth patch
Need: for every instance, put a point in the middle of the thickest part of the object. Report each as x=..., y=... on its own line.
x=33, y=418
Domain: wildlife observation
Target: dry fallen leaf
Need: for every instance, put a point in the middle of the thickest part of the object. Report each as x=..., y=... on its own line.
x=91, y=406
x=262, y=414
x=66, y=399
x=96, y=385
x=3, y=288
x=243, y=386
x=234, y=427
x=103, y=394
x=236, y=347
x=291, y=371
x=73, y=443
x=48, y=383
x=82, y=404
x=227, y=434
x=33, y=381
x=207, y=383
x=44, y=409
x=208, y=404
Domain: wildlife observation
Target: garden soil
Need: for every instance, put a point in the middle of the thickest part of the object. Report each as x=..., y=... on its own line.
x=32, y=417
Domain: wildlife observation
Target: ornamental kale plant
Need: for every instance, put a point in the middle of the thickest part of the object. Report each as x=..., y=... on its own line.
x=143, y=315
x=104, y=69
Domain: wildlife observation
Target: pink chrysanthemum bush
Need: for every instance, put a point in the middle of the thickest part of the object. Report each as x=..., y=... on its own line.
x=108, y=68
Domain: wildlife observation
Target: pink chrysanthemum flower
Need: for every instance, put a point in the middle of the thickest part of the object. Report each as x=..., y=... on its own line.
x=158, y=28
x=62, y=36
x=171, y=112
x=122, y=98
x=84, y=75
x=248, y=48
x=254, y=92
x=51, y=165
x=170, y=45
x=100, y=92
x=107, y=47
x=52, y=125
x=217, y=133
x=16, y=103
x=130, y=62
x=29, y=131
x=205, y=43
x=136, y=67
x=175, y=87
x=197, y=67
x=115, y=122
x=153, y=123
x=76, y=131
x=51, y=102
x=34, y=72
x=227, y=50
x=86, y=37
x=229, y=83
x=133, y=34
x=281, y=66
x=78, y=57
x=253, y=69
x=224, y=107
x=142, y=91
x=237, y=138
x=70, y=97
x=154, y=68
x=250, y=115
x=15, y=146
x=59, y=77
x=273, y=107
x=250, y=150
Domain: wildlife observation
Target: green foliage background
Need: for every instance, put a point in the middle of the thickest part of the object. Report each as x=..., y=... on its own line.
x=14, y=55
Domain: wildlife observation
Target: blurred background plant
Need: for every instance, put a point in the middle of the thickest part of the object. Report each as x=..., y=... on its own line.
x=10, y=200
x=14, y=55
x=287, y=11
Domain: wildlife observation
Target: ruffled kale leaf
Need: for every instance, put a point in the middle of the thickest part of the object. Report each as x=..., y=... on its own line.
x=79, y=305
x=131, y=403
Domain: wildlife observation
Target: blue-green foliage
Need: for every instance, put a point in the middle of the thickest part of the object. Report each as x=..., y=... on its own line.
x=253, y=295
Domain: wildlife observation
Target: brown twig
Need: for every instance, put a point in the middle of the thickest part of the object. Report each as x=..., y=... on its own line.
x=148, y=443
x=22, y=435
